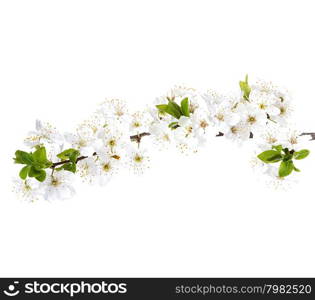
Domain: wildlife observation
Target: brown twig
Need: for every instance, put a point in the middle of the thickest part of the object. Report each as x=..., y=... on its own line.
x=59, y=163
x=137, y=138
x=312, y=134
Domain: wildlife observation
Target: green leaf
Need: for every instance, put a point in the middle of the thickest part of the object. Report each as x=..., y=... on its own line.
x=33, y=172
x=161, y=107
x=288, y=156
x=71, y=167
x=277, y=148
x=173, y=109
x=24, y=171
x=301, y=154
x=245, y=88
x=40, y=155
x=270, y=156
x=296, y=169
x=184, y=105
x=73, y=157
x=71, y=154
x=42, y=176
x=22, y=157
x=64, y=155
x=286, y=168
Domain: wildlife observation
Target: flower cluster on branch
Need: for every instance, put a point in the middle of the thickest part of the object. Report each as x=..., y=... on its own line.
x=114, y=138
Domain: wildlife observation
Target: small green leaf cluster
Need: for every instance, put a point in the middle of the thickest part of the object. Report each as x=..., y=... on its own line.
x=70, y=155
x=285, y=157
x=245, y=88
x=35, y=163
x=175, y=110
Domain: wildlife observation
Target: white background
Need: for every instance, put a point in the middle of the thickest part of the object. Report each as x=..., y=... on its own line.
x=204, y=215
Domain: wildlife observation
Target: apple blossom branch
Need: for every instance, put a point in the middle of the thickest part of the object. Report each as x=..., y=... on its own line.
x=137, y=138
x=260, y=113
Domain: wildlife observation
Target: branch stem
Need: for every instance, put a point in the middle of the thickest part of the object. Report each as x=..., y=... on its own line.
x=311, y=134
x=137, y=138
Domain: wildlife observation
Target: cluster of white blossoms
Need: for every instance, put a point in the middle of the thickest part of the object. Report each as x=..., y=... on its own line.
x=237, y=117
x=114, y=138
x=188, y=132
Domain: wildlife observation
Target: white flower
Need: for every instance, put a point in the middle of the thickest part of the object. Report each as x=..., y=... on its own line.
x=293, y=140
x=114, y=110
x=204, y=131
x=87, y=169
x=237, y=133
x=264, y=103
x=162, y=134
x=139, y=122
x=279, y=183
x=113, y=139
x=138, y=160
x=43, y=133
x=93, y=123
x=108, y=166
x=27, y=189
x=263, y=87
x=254, y=119
x=285, y=112
x=270, y=136
x=83, y=140
x=221, y=110
x=58, y=186
x=185, y=129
